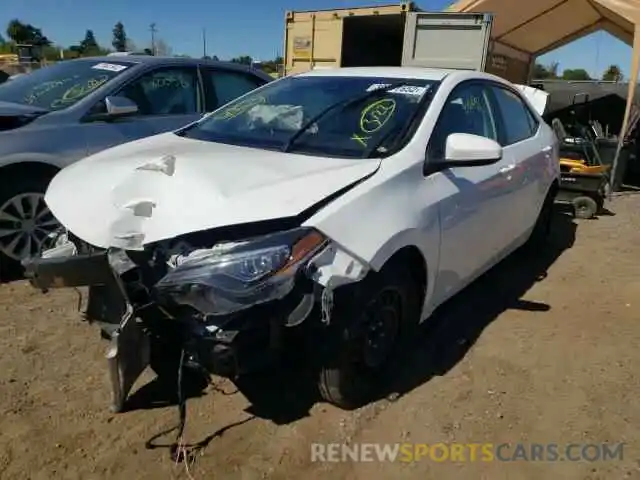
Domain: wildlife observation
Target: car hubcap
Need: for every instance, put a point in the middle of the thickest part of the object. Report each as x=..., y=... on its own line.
x=382, y=319
x=25, y=222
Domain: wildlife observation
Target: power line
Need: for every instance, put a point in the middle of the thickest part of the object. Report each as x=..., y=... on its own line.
x=204, y=42
x=153, y=30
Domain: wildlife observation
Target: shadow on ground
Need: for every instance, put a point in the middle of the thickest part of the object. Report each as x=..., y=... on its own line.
x=455, y=327
x=287, y=395
x=445, y=339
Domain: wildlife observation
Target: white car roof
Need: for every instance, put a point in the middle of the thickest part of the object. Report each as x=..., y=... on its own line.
x=435, y=74
x=422, y=73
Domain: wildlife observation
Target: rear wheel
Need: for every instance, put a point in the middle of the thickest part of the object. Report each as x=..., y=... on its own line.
x=25, y=219
x=542, y=229
x=366, y=336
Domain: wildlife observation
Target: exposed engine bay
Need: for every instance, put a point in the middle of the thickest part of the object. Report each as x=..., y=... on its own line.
x=208, y=301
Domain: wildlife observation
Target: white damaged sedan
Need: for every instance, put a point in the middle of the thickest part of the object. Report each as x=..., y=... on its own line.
x=334, y=209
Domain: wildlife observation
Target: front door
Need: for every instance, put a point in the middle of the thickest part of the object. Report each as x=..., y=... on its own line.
x=472, y=200
x=167, y=98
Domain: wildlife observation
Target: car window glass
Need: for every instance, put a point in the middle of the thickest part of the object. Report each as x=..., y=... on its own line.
x=169, y=91
x=224, y=86
x=63, y=84
x=467, y=110
x=519, y=122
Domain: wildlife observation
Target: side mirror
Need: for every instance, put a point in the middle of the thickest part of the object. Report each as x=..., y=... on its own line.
x=120, y=106
x=466, y=150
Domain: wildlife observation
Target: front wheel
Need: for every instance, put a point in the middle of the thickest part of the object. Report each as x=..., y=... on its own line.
x=366, y=336
x=25, y=219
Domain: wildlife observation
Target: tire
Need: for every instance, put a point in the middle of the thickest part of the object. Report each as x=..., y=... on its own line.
x=18, y=190
x=349, y=375
x=542, y=229
x=585, y=207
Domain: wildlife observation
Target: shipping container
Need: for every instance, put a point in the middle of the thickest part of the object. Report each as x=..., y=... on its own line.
x=397, y=35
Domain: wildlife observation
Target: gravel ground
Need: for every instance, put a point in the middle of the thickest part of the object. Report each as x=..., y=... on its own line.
x=537, y=351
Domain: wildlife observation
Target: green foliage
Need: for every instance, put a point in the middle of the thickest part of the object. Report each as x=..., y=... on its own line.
x=243, y=59
x=119, y=41
x=25, y=33
x=545, y=72
x=612, y=74
x=575, y=74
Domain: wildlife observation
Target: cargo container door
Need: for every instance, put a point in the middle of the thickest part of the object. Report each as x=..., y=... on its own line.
x=446, y=40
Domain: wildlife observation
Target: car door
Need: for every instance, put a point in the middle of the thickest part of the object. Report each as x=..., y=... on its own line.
x=167, y=98
x=222, y=85
x=472, y=199
x=525, y=151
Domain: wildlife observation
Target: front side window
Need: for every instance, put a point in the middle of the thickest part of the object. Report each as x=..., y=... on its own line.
x=61, y=85
x=467, y=110
x=519, y=122
x=166, y=91
x=350, y=117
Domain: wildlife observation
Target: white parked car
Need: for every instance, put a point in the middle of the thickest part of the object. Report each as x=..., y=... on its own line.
x=336, y=207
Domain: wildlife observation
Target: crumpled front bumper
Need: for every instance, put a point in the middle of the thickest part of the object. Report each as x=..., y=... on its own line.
x=108, y=305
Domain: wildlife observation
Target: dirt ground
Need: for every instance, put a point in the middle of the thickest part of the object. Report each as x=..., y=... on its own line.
x=518, y=357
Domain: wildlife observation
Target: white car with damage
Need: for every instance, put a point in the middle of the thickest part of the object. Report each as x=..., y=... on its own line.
x=334, y=209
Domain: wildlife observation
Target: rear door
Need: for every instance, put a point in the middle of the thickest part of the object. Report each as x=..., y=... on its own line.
x=222, y=85
x=525, y=150
x=447, y=40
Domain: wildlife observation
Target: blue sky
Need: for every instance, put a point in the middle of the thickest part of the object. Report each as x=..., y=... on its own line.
x=240, y=27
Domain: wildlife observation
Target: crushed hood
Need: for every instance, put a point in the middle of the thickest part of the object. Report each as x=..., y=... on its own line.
x=164, y=186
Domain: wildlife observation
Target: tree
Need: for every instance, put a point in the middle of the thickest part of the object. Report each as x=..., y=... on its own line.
x=575, y=74
x=272, y=66
x=89, y=46
x=25, y=33
x=162, y=48
x=89, y=43
x=544, y=72
x=119, y=41
x=612, y=74
x=243, y=59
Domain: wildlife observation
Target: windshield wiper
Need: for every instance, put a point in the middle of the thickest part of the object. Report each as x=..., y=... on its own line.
x=343, y=103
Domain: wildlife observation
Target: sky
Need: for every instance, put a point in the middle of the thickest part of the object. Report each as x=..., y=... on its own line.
x=241, y=27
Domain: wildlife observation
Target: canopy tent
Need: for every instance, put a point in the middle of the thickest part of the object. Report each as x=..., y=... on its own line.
x=536, y=27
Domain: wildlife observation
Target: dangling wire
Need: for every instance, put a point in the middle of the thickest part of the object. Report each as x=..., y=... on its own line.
x=597, y=64
x=178, y=452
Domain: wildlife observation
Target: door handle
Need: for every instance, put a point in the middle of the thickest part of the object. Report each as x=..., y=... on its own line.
x=507, y=169
x=547, y=149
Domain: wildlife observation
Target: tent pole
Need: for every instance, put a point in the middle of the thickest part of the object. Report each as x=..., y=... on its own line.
x=633, y=80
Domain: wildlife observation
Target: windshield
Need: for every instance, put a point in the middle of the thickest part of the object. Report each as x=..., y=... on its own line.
x=61, y=85
x=323, y=115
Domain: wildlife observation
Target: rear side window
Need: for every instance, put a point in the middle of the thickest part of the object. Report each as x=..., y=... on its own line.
x=222, y=86
x=518, y=121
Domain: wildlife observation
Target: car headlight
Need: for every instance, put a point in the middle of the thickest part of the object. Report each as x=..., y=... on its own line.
x=236, y=275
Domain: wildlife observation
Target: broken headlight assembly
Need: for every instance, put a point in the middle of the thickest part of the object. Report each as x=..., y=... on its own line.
x=233, y=276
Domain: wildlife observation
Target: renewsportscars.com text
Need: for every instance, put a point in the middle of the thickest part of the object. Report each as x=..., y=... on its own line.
x=466, y=452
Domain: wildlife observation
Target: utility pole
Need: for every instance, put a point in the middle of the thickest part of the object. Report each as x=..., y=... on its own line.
x=204, y=42
x=153, y=30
